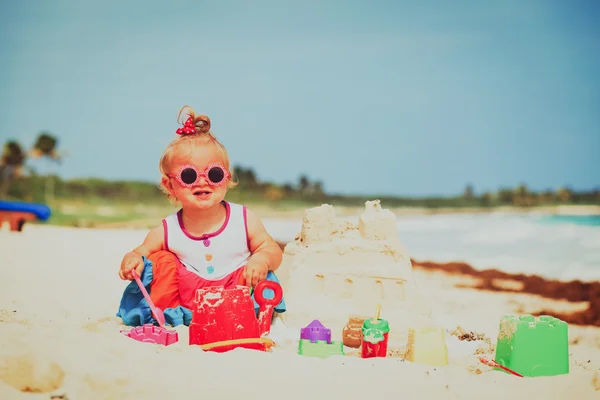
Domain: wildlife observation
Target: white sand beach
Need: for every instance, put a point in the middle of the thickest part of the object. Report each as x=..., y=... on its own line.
x=60, y=339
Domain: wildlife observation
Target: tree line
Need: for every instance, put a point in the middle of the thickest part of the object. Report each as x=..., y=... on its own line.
x=20, y=181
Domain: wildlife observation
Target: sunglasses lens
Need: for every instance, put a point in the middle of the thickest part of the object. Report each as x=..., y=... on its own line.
x=216, y=174
x=188, y=176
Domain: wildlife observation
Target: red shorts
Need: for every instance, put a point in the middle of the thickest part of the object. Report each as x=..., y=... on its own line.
x=173, y=285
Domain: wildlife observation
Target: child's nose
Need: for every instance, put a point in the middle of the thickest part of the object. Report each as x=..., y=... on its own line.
x=202, y=180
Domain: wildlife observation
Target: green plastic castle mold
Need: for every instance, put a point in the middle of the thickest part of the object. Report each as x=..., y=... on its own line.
x=533, y=346
x=320, y=348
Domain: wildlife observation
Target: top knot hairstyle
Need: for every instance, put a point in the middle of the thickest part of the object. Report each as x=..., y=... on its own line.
x=194, y=124
x=195, y=132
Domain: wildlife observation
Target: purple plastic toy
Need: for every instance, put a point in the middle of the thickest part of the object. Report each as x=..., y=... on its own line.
x=149, y=333
x=316, y=331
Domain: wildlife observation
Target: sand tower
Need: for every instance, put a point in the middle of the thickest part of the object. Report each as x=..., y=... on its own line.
x=338, y=268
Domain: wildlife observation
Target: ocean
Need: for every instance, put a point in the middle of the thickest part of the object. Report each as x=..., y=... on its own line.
x=560, y=247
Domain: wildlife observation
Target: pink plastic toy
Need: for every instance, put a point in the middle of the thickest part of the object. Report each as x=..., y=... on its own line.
x=149, y=333
x=158, y=314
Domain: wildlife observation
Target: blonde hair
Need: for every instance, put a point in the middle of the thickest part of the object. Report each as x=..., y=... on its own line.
x=187, y=143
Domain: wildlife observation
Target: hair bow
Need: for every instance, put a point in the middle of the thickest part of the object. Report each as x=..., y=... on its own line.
x=188, y=127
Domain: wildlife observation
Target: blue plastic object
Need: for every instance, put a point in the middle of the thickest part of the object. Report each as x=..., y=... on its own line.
x=41, y=211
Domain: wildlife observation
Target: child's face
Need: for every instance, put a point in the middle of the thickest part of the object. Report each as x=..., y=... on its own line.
x=199, y=194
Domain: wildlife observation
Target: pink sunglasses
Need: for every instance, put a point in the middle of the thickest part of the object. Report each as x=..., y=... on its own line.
x=188, y=176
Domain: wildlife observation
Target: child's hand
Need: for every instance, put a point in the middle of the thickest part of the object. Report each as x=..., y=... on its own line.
x=255, y=272
x=130, y=261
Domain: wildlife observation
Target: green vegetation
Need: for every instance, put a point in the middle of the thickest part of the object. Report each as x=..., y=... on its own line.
x=92, y=201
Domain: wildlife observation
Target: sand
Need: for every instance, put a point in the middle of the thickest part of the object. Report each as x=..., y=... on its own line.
x=59, y=292
x=337, y=268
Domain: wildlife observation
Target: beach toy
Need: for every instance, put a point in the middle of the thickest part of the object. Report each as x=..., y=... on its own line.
x=493, y=363
x=352, y=332
x=533, y=346
x=427, y=346
x=320, y=348
x=224, y=319
x=149, y=333
x=227, y=345
x=375, y=333
x=315, y=341
x=158, y=314
x=316, y=331
x=17, y=213
x=266, y=306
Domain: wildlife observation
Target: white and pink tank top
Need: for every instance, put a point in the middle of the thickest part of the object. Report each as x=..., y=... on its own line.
x=214, y=255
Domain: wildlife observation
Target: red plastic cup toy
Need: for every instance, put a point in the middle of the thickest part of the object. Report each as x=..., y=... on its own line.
x=375, y=338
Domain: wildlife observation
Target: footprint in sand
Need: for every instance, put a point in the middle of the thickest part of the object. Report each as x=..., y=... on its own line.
x=31, y=374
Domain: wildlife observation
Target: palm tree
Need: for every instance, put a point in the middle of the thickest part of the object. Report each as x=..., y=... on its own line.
x=469, y=192
x=564, y=194
x=523, y=196
x=11, y=164
x=247, y=176
x=45, y=146
x=303, y=183
x=505, y=196
x=317, y=190
x=486, y=199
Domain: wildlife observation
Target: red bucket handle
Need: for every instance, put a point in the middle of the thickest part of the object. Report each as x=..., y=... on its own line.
x=260, y=298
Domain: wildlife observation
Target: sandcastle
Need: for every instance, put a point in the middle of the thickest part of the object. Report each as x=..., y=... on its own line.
x=336, y=269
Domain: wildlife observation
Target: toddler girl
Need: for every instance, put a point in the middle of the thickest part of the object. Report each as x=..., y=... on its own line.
x=207, y=242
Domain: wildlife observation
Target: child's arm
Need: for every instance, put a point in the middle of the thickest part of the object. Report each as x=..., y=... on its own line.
x=152, y=243
x=266, y=253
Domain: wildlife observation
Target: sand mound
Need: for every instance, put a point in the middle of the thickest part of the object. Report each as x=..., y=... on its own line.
x=342, y=270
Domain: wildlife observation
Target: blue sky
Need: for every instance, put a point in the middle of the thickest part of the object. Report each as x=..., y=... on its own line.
x=371, y=97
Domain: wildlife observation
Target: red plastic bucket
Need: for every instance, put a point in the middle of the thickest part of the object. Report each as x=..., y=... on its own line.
x=228, y=314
